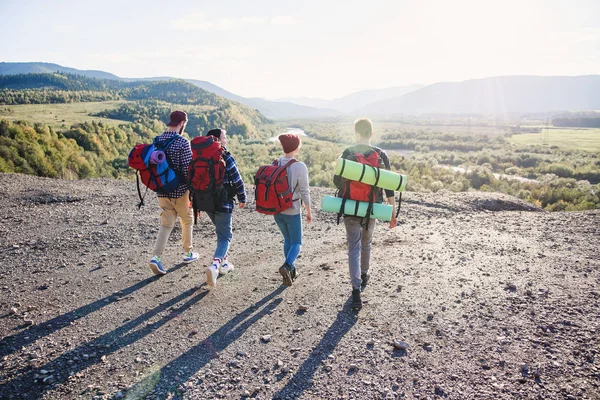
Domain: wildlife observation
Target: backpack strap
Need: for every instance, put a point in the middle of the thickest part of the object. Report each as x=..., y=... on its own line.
x=399, y=202
x=137, y=181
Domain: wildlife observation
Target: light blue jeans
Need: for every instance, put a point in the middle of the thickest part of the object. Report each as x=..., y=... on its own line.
x=291, y=229
x=222, y=221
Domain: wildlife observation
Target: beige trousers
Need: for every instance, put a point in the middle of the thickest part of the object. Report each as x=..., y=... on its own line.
x=170, y=210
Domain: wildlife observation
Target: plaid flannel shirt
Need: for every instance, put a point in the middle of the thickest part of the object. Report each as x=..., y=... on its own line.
x=233, y=177
x=180, y=154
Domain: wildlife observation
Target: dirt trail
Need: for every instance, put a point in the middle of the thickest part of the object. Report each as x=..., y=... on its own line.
x=495, y=299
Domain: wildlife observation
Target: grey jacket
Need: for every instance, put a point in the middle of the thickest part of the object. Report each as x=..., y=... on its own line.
x=298, y=181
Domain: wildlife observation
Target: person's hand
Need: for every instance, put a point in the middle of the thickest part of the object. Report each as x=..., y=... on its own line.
x=393, y=222
x=308, y=216
x=242, y=205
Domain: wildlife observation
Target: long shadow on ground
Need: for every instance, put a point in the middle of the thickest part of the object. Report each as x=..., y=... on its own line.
x=21, y=381
x=13, y=343
x=189, y=363
x=303, y=379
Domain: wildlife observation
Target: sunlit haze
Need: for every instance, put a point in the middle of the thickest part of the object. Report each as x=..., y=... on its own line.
x=324, y=49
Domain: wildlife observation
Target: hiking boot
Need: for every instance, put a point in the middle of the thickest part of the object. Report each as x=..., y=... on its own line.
x=156, y=266
x=190, y=257
x=212, y=273
x=288, y=273
x=356, y=301
x=226, y=267
x=365, y=279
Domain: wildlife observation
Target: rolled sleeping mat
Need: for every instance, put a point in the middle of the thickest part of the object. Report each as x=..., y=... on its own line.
x=380, y=211
x=157, y=157
x=356, y=171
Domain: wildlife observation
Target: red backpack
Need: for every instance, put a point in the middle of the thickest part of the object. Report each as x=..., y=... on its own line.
x=206, y=174
x=359, y=191
x=272, y=189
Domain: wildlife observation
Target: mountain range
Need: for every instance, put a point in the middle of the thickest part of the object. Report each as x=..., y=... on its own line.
x=494, y=95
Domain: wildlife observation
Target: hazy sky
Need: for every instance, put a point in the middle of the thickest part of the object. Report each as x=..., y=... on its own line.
x=320, y=48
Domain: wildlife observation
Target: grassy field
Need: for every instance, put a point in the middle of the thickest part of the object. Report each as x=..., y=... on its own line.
x=60, y=115
x=565, y=139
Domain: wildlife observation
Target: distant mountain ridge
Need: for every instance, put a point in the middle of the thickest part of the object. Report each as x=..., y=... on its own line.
x=270, y=109
x=496, y=95
x=353, y=101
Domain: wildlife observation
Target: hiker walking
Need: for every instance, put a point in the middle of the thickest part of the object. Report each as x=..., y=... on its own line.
x=175, y=203
x=289, y=220
x=225, y=183
x=359, y=230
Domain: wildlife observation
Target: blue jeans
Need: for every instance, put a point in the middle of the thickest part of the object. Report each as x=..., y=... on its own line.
x=222, y=221
x=291, y=229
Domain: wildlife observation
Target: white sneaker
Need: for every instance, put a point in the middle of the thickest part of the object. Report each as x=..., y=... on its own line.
x=226, y=267
x=212, y=273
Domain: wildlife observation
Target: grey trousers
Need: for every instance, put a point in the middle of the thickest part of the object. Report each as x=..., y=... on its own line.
x=359, y=246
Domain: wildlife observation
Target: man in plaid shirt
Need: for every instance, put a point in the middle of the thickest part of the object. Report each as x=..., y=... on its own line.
x=176, y=203
x=222, y=218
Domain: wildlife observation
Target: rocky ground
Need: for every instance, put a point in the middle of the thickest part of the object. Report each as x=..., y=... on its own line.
x=493, y=299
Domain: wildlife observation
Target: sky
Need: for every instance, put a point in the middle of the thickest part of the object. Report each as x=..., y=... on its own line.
x=308, y=48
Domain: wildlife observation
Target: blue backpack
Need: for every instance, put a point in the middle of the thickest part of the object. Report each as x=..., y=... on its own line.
x=154, y=167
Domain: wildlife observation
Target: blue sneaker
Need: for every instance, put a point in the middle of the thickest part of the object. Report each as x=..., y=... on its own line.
x=190, y=257
x=156, y=266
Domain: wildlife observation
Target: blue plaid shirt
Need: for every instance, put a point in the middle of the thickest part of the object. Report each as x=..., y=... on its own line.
x=180, y=154
x=233, y=177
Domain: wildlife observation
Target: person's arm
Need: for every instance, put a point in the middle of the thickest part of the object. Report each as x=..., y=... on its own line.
x=303, y=188
x=389, y=194
x=236, y=179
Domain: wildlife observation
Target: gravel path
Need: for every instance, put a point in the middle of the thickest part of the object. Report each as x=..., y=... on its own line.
x=494, y=299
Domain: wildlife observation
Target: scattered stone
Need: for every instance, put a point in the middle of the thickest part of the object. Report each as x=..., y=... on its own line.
x=265, y=338
x=399, y=344
x=511, y=287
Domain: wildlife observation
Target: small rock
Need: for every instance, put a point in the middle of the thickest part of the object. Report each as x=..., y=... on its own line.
x=28, y=322
x=246, y=393
x=266, y=338
x=13, y=311
x=303, y=308
x=193, y=332
x=138, y=360
x=48, y=380
x=119, y=395
x=242, y=353
x=371, y=342
x=399, y=344
x=279, y=363
x=427, y=347
x=295, y=330
x=285, y=370
x=353, y=367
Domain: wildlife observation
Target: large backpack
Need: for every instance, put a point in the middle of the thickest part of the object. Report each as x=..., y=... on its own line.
x=272, y=188
x=154, y=170
x=359, y=191
x=206, y=175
